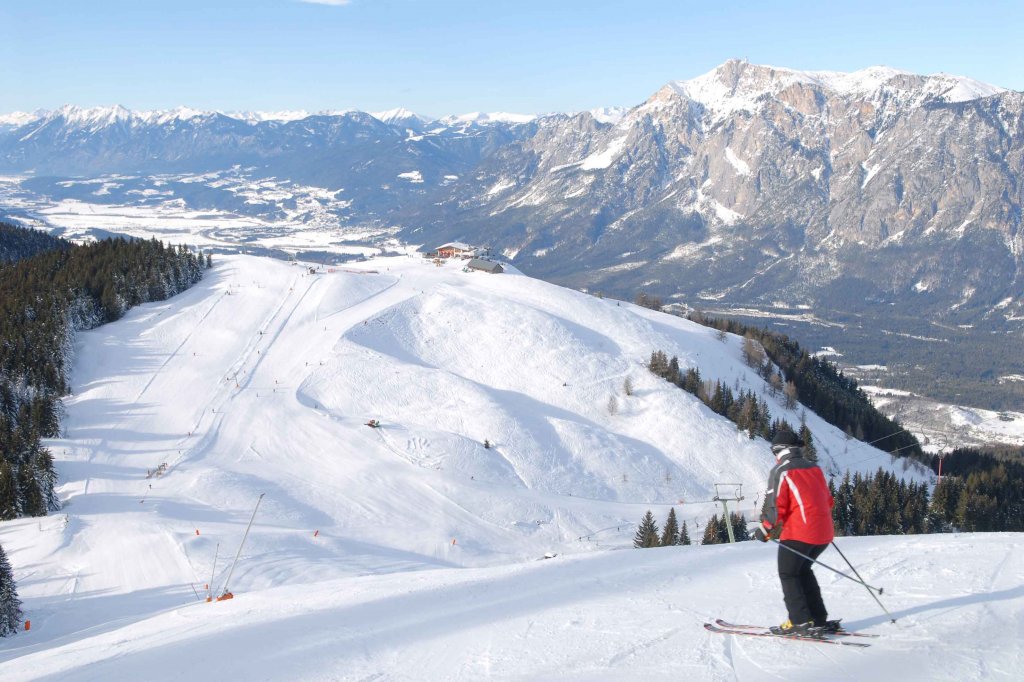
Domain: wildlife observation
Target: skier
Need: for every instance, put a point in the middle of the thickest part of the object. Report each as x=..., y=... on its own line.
x=798, y=512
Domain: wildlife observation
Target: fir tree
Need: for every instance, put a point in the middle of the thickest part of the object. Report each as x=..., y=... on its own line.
x=684, y=535
x=810, y=452
x=670, y=534
x=739, y=527
x=647, y=532
x=712, y=532
x=673, y=370
x=10, y=605
x=10, y=507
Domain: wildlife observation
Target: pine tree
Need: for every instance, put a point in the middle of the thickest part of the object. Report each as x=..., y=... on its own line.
x=673, y=370
x=810, y=452
x=670, y=534
x=647, y=532
x=739, y=527
x=712, y=532
x=10, y=605
x=684, y=535
x=10, y=496
x=790, y=393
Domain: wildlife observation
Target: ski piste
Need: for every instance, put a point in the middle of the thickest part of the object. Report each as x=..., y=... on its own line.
x=840, y=633
x=711, y=627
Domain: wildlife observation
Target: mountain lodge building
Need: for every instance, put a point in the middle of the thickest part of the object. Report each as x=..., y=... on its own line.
x=455, y=250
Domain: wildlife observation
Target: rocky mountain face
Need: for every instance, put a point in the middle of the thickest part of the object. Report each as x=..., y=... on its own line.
x=756, y=185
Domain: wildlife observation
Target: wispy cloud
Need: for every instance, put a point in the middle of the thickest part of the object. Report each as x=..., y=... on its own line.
x=335, y=3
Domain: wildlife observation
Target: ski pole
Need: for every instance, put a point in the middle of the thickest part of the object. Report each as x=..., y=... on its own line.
x=892, y=619
x=848, y=577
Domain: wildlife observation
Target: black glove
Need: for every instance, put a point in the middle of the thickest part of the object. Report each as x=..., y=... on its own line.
x=759, y=534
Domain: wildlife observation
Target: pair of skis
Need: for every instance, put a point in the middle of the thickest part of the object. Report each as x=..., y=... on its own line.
x=839, y=638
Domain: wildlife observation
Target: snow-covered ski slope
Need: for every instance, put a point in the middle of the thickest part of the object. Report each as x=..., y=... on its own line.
x=410, y=551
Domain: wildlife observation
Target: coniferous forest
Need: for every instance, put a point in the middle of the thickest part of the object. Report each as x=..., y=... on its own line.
x=51, y=291
x=978, y=492
x=819, y=385
x=17, y=243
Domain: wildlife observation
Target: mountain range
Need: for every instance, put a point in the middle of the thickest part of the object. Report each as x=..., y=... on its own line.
x=887, y=203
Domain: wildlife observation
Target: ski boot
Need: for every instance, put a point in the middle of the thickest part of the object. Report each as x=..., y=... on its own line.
x=830, y=627
x=790, y=629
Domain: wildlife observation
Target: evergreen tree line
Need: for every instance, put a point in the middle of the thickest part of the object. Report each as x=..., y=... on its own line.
x=716, y=532
x=747, y=410
x=979, y=491
x=649, y=535
x=821, y=387
x=17, y=243
x=44, y=300
x=879, y=504
x=988, y=498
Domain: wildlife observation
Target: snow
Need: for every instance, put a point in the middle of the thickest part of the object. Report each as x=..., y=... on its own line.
x=398, y=116
x=282, y=116
x=739, y=86
x=869, y=172
x=604, y=159
x=95, y=118
x=414, y=176
x=610, y=115
x=501, y=186
x=17, y=118
x=480, y=118
x=736, y=162
x=726, y=215
x=960, y=88
x=410, y=551
x=164, y=117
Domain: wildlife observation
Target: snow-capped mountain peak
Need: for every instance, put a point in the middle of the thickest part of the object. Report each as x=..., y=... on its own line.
x=283, y=116
x=480, y=118
x=739, y=85
x=18, y=118
x=609, y=114
x=92, y=117
x=181, y=113
x=398, y=116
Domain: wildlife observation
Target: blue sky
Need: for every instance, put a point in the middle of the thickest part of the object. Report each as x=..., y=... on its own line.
x=452, y=56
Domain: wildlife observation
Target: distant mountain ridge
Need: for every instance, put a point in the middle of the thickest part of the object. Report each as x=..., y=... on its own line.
x=876, y=194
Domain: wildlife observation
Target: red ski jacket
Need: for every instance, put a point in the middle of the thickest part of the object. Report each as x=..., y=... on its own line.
x=798, y=500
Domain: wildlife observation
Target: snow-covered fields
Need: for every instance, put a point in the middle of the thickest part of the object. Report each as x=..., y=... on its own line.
x=413, y=552
x=233, y=213
x=942, y=427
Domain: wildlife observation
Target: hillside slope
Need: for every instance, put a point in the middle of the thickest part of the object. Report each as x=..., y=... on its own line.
x=260, y=380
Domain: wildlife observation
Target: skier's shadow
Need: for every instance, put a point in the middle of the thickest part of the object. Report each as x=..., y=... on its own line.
x=950, y=604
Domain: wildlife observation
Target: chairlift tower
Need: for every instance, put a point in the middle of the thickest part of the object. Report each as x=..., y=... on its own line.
x=726, y=493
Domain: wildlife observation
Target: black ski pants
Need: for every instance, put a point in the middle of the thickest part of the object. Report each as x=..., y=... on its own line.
x=799, y=586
